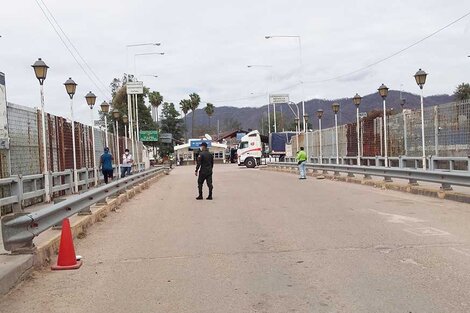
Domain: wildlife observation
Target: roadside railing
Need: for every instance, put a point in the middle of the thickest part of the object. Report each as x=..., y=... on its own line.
x=446, y=179
x=19, y=229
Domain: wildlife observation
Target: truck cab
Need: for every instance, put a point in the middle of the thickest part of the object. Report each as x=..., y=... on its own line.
x=250, y=150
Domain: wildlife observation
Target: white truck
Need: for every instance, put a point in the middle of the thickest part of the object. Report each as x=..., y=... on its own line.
x=250, y=150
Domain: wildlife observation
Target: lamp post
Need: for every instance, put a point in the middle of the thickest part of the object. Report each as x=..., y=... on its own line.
x=420, y=78
x=269, y=98
x=105, y=110
x=335, y=107
x=90, y=100
x=383, y=91
x=40, y=70
x=357, y=101
x=306, y=137
x=320, y=115
x=142, y=54
x=297, y=122
x=116, y=115
x=405, y=144
x=300, y=73
x=70, y=87
x=125, y=120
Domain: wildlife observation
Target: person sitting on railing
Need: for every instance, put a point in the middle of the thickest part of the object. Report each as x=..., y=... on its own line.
x=106, y=165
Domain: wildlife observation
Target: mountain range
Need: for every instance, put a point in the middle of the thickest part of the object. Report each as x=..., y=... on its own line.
x=230, y=117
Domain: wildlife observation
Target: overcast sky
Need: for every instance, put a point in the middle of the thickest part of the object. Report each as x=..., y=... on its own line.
x=208, y=45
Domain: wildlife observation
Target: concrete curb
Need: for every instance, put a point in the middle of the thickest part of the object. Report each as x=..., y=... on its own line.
x=15, y=268
x=417, y=190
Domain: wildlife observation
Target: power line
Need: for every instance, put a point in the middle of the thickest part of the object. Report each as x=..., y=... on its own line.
x=69, y=50
x=393, y=54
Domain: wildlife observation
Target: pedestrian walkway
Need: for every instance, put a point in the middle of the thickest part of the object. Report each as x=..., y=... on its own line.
x=268, y=242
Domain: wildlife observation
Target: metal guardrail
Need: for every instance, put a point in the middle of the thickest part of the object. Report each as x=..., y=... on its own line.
x=19, y=229
x=446, y=179
x=433, y=163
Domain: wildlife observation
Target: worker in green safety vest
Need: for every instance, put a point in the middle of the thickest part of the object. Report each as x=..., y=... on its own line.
x=302, y=161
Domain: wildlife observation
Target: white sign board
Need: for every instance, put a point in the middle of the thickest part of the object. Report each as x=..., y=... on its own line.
x=289, y=153
x=278, y=99
x=135, y=88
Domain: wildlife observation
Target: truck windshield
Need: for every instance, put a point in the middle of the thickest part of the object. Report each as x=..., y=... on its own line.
x=243, y=145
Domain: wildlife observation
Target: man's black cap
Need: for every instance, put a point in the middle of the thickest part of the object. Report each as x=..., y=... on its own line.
x=203, y=144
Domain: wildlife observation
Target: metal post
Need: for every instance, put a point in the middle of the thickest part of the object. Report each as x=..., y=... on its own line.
x=302, y=83
x=137, y=140
x=385, y=133
x=274, y=117
x=436, y=132
x=75, y=175
x=125, y=133
x=95, y=168
x=106, y=129
x=44, y=151
x=118, y=157
x=422, y=130
x=405, y=133
x=358, y=138
x=337, y=144
x=131, y=122
x=269, y=114
x=321, y=152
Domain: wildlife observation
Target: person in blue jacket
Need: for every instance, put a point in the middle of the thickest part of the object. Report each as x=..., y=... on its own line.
x=106, y=164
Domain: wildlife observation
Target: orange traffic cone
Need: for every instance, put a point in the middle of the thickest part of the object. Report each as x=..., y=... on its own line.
x=67, y=259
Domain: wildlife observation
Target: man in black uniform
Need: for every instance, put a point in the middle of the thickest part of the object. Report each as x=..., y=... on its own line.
x=205, y=163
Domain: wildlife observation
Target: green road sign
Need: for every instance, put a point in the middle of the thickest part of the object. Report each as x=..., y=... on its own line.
x=148, y=135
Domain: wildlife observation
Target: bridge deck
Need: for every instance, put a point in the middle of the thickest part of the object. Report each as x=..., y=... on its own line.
x=267, y=243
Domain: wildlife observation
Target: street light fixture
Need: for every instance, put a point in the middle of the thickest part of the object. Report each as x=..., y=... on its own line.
x=91, y=99
x=320, y=115
x=40, y=70
x=420, y=78
x=70, y=87
x=335, y=107
x=105, y=110
x=383, y=92
x=357, y=102
x=116, y=115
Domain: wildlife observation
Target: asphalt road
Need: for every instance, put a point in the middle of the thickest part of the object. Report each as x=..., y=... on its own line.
x=268, y=242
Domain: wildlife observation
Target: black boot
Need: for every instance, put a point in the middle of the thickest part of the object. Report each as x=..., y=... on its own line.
x=200, y=193
x=210, y=195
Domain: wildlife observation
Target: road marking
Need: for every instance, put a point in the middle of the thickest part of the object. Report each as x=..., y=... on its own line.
x=462, y=251
x=427, y=231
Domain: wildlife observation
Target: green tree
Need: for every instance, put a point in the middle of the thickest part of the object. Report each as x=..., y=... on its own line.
x=195, y=102
x=185, y=106
x=462, y=92
x=209, y=111
x=155, y=99
x=171, y=123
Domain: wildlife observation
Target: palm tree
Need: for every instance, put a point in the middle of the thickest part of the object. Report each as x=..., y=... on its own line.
x=155, y=99
x=185, y=106
x=209, y=111
x=195, y=101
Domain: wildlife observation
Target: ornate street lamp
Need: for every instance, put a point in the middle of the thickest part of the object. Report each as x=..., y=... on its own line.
x=357, y=102
x=71, y=87
x=105, y=110
x=383, y=92
x=40, y=70
x=420, y=78
x=90, y=100
x=335, y=107
x=320, y=115
x=117, y=115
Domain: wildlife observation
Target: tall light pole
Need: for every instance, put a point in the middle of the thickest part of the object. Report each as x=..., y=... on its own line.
x=357, y=101
x=137, y=45
x=383, y=91
x=142, y=54
x=40, y=70
x=105, y=110
x=116, y=115
x=297, y=122
x=269, y=98
x=301, y=71
x=335, y=107
x=125, y=120
x=70, y=87
x=405, y=144
x=90, y=100
x=420, y=78
x=306, y=138
x=320, y=115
